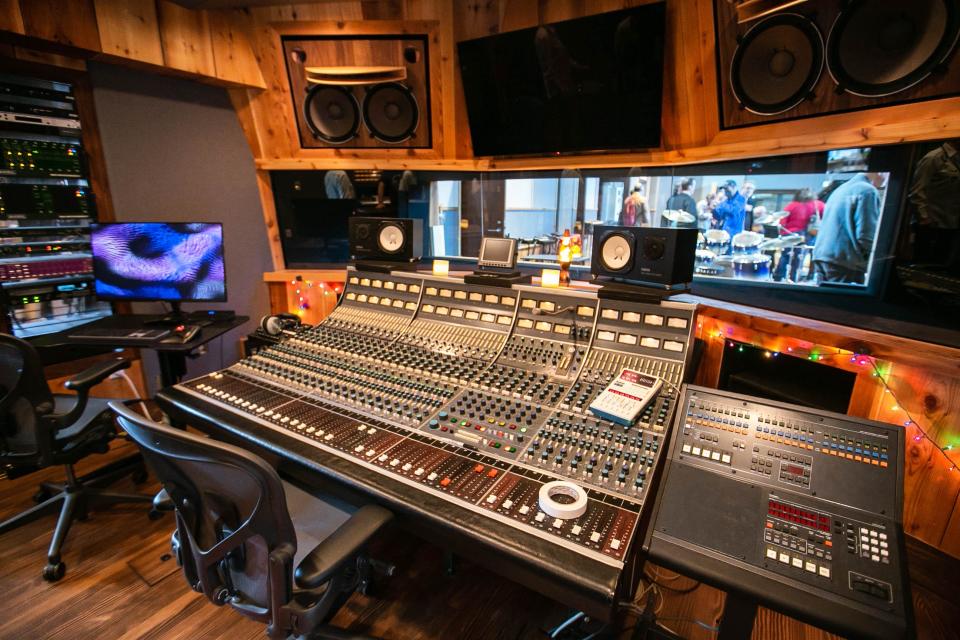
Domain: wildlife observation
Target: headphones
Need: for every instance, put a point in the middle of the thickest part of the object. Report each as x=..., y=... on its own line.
x=273, y=325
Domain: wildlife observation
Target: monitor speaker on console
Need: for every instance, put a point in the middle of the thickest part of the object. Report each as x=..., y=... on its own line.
x=360, y=92
x=650, y=255
x=390, y=240
x=874, y=52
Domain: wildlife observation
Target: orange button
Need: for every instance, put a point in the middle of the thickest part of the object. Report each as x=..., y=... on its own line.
x=479, y=468
x=445, y=482
x=769, y=525
x=828, y=543
x=492, y=473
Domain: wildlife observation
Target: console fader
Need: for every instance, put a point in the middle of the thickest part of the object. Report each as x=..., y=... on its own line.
x=799, y=508
x=475, y=394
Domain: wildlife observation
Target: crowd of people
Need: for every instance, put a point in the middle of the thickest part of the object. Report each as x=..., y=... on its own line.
x=840, y=222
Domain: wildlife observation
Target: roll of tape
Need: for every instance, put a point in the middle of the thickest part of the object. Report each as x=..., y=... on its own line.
x=567, y=509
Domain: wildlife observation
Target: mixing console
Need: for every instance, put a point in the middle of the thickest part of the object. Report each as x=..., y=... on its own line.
x=477, y=395
x=798, y=508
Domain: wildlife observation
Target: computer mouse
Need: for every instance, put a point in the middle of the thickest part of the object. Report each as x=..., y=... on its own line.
x=181, y=334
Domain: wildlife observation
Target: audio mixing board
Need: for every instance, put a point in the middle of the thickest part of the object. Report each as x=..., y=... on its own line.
x=799, y=509
x=475, y=395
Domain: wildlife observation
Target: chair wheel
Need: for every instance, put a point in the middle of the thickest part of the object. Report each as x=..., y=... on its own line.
x=153, y=514
x=53, y=572
x=139, y=476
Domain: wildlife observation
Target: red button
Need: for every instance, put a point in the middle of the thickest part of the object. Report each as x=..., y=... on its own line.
x=492, y=473
x=479, y=468
x=445, y=482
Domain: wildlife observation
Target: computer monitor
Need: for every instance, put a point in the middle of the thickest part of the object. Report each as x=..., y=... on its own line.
x=159, y=261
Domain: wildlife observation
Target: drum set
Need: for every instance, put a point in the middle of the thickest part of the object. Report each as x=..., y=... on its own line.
x=750, y=255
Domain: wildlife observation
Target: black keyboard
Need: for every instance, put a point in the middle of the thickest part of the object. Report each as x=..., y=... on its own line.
x=121, y=335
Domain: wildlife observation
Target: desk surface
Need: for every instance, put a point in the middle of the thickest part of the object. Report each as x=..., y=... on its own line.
x=134, y=321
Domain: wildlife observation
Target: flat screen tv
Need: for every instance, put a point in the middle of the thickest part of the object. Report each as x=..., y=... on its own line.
x=588, y=84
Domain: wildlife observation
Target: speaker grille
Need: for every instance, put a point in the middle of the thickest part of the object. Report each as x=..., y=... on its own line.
x=616, y=252
x=881, y=47
x=391, y=238
x=332, y=113
x=777, y=63
x=391, y=112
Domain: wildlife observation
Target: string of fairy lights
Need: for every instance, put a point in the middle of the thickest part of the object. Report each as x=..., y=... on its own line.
x=818, y=354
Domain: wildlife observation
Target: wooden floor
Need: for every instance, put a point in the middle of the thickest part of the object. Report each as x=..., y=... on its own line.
x=121, y=583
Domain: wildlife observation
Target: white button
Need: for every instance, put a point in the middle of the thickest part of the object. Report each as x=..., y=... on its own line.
x=884, y=545
x=715, y=455
x=371, y=453
x=524, y=510
x=557, y=523
x=825, y=571
x=395, y=462
x=696, y=451
x=798, y=563
x=419, y=471
x=874, y=550
x=576, y=529
x=328, y=437
x=540, y=516
x=285, y=420
x=784, y=558
x=614, y=544
x=883, y=536
x=507, y=504
x=884, y=553
x=432, y=476
x=595, y=537
x=407, y=467
x=358, y=448
x=310, y=430
x=686, y=448
x=383, y=457
x=771, y=553
x=875, y=558
x=294, y=423
x=873, y=534
x=491, y=498
x=705, y=453
x=811, y=567
x=726, y=458
x=864, y=530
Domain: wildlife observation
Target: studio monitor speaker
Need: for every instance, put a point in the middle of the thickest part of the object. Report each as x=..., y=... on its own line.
x=386, y=239
x=823, y=56
x=360, y=92
x=651, y=255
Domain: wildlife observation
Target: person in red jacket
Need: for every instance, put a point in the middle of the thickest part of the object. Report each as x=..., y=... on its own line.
x=803, y=207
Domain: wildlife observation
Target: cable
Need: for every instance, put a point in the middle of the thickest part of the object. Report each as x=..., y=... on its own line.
x=136, y=393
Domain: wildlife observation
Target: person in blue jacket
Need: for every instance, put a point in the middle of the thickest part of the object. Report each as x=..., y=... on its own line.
x=732, y=212
x=848, y=230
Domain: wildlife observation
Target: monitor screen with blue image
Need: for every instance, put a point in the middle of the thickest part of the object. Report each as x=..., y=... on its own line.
x=169, y=261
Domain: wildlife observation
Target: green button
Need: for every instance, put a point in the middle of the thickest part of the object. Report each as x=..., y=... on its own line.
x=463, y=423
x=512, y=449
x=496, y=445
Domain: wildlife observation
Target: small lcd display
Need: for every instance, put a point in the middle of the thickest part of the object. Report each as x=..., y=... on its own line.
x=499, y=252
x=159, y=261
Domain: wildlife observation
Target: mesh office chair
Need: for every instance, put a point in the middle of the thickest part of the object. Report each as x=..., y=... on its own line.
x=39, y=429
x=236, y=540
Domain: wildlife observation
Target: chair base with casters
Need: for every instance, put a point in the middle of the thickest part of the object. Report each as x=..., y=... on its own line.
x=247, y=539
x=40, y=429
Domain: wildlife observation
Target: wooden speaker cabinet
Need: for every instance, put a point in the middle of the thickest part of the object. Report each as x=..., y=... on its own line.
x=825, y=56
x=360, y=92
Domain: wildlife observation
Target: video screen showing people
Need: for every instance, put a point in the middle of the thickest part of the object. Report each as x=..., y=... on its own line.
x=802, y=229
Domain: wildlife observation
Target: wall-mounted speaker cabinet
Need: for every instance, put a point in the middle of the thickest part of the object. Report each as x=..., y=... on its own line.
x=827, y=56
x=360, y=92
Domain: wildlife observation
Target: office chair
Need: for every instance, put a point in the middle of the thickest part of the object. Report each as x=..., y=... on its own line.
x=40, y=429
x=241, y=531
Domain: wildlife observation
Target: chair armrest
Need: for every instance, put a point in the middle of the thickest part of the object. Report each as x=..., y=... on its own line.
x=321, y=563
x=96, y=374
x=162, y=501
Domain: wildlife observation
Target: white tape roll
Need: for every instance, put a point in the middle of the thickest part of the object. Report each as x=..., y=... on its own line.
x=563, y=510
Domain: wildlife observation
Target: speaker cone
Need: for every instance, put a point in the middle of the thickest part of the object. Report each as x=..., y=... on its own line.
x=391, y=238
x=391, y=113
x=332, y=113
x=777, y=63
x=881, y=47
x=616, y=252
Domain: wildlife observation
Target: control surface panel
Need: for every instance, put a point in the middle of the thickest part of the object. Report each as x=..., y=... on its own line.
x=477, y=395
x=793, y=506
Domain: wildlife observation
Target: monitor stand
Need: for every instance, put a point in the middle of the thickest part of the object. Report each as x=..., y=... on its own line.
x=174, y=318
